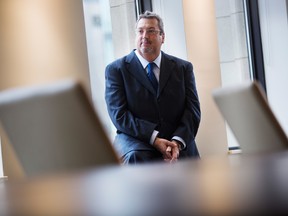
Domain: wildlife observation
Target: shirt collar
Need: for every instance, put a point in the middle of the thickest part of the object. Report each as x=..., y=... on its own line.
x=144, y=62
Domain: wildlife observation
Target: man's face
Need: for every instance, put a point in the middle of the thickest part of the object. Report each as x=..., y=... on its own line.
x=148, y=37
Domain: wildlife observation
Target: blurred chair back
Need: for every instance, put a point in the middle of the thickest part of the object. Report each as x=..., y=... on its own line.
x=252, y=121
x=53, y=128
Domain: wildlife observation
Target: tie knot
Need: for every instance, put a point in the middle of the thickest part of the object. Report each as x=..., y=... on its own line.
x=150, y=66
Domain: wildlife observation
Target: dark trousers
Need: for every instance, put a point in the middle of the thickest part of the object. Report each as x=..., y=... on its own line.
x=142, y=156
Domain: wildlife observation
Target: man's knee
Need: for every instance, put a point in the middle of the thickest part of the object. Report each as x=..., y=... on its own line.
x=132, y=157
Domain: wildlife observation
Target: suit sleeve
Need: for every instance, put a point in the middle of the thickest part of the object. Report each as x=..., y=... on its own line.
x=116, y=101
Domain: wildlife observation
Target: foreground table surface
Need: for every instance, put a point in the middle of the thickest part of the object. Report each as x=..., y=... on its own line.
x=215, y=186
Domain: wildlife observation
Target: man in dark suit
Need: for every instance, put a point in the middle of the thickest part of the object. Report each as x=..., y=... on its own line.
x=152, y=123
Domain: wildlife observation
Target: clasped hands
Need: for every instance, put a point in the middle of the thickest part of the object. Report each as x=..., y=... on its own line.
x=169, y=149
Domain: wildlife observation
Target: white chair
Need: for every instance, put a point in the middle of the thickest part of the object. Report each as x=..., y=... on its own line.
x=53, y=128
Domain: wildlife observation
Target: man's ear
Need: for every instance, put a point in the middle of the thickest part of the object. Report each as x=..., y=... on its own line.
x=163, y=37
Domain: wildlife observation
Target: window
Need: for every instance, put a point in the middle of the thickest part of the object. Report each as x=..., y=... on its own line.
x=274, y=34
x=100, y=53
x=232, y=40
x=1, y=161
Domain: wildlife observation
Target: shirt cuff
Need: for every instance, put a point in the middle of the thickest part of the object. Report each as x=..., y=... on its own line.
x=182, y=142
x=153, y=137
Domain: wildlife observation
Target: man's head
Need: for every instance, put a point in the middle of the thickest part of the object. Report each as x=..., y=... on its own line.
x=149, y=35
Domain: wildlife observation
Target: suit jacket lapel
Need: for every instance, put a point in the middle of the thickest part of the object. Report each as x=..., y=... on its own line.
x=134, y=67
x=166, y=68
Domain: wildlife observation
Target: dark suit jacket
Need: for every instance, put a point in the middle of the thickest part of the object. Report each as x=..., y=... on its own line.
x=136, y=109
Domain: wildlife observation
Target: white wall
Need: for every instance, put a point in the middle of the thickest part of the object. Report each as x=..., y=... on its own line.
x=1, y=164
x=274, y=32
x=41, y=41
x=203, y=52
x=123, y=18
x=232, y=42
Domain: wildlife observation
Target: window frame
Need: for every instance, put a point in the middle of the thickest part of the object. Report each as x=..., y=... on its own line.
x=142, y=5
x=254, y=40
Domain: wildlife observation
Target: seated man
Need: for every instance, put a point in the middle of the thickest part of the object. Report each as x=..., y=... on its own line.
x=152, y=99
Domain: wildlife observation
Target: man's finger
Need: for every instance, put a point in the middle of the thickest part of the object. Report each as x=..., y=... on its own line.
x=169, y=149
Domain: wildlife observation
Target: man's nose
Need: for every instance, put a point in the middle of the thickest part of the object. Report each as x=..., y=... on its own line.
x=145, y=34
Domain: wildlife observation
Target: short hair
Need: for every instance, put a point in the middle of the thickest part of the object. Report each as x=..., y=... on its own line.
x=152, y=15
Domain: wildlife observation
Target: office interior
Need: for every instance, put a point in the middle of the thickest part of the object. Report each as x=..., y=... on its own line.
x=49, y=40
x=227, y=41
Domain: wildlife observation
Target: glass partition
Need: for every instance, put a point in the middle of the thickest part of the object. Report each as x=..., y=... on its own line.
x=232, y=41
x=100, y=52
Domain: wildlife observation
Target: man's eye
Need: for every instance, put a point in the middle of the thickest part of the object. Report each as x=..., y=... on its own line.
x=140, y=31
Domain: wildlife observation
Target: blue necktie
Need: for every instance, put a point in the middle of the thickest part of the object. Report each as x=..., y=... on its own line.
x=151, y=76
